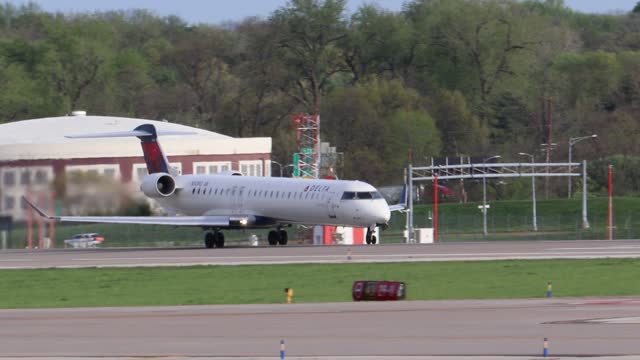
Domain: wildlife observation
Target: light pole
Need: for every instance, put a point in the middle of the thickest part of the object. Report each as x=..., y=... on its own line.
x=533, y=191
x=573, y=141
x=279, y=165
x=484, y=193
x=282, y=167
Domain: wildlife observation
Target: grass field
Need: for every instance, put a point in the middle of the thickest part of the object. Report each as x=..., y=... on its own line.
x=313, y=283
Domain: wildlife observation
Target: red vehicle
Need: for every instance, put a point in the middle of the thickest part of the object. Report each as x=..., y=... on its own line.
x=378, y=290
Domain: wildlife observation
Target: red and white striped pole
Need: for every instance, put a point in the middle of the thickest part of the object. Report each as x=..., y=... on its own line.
x=435, y=208
x=610, y=202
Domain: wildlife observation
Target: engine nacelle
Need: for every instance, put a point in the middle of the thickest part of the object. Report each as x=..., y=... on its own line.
x=158, y=185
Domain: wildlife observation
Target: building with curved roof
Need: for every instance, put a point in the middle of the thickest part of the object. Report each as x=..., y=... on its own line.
x=35, y=152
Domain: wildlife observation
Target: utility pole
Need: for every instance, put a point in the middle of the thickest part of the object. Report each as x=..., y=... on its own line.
x=484, y=193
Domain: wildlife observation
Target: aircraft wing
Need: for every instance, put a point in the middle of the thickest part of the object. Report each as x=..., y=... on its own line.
x=144, y=220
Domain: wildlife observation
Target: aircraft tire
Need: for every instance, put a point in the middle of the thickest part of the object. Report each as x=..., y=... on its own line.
x=209, y=240
x=219, y=240
x=273, y=237
x=374, y=240
x=284, y=237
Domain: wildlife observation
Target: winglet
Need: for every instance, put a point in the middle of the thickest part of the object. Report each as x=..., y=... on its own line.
x=403, y=201
x=40, y=212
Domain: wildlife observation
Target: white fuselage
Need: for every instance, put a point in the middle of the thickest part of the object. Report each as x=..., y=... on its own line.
x=279, y=200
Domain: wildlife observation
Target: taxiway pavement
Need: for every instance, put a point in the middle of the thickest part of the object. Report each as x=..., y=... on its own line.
x=573, y=327
x=497, y=250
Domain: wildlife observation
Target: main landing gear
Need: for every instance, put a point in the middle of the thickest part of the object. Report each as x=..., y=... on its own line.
x=278, y=236
x=370, y=239
x=214, y=239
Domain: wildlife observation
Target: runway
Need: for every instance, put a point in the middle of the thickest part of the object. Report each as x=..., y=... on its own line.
x=126, y=257
x=574, y=327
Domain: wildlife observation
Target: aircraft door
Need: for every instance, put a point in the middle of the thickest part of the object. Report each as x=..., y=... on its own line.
x=332, y=204
x=238, y=199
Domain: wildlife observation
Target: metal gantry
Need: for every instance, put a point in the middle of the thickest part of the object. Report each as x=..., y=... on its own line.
x=485, y=170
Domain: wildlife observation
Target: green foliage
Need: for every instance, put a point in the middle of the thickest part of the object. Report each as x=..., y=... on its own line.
x=479, y=70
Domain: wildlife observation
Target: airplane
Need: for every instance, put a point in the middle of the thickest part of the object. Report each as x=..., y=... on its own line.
x=229, y=200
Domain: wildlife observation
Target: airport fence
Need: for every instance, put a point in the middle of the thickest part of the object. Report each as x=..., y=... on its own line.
x=512, y=227
x=451, y=228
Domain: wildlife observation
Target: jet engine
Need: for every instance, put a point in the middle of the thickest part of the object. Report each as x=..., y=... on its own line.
x=158, y=185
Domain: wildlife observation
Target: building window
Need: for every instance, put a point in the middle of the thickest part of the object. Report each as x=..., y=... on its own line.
x=110, y=173
x=213, y=169
x=9, y=202
x=141, y=172
x=201, y=170
x=25, y=178
x=41, y=177
x=10, y=178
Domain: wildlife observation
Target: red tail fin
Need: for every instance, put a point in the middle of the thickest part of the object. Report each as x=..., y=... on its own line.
x=153, y=155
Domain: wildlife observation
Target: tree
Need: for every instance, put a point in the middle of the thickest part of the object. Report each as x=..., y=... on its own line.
x=198, y=60
x=376, y=124
x=462, y=131
x=380, y=43
x=308, y=32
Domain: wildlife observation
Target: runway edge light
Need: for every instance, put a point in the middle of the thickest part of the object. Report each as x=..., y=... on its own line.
x=549, y=290
x=282, y=353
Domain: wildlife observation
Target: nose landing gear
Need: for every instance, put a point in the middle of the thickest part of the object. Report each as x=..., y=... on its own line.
x=370, y=239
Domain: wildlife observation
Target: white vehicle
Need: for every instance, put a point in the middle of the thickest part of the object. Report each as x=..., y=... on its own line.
x=231, y=201
x=88, y=240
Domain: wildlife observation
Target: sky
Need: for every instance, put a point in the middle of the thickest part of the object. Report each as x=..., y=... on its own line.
x=219, y=11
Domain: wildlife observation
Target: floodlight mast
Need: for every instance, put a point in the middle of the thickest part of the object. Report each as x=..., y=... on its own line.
x=533, y=190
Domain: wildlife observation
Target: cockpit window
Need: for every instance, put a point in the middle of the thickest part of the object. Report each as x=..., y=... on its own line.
x=348, y=195
x=361, y=195
x=364, y=195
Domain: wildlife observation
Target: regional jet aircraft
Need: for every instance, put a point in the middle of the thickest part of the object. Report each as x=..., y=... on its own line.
x=231, y=201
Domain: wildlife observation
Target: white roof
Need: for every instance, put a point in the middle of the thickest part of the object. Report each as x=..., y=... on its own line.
x=54, y=129
x=45, y=139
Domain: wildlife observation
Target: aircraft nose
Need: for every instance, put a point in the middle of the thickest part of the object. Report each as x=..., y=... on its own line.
x=383, y=214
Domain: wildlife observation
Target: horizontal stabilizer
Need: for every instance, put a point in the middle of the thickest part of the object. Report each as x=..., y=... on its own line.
x=136, y=133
